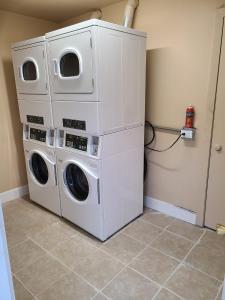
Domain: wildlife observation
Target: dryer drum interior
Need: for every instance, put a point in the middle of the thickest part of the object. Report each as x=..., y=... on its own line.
x=77, y=182
x=39, y=168
x=69, y=65
x=29, y=71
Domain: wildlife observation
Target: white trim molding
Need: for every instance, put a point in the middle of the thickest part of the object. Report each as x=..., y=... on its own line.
x=171, y=210
x=14, y=193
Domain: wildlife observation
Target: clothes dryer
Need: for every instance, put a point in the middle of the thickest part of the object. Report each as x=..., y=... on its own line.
x=101, y=179
x=32, y=81
x=41, y=167
x=97, y=76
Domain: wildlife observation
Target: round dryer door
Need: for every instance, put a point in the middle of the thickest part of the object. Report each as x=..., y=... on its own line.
x=69, y=65
x=29, y=71
x=39, y=168
x=77, y=182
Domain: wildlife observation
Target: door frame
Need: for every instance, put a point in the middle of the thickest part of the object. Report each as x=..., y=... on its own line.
x=212, y=90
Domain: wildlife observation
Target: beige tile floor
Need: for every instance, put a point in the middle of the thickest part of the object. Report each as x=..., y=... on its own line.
x=155, y=257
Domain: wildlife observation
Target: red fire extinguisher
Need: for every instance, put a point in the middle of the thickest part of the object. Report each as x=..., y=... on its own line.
x=189, y=120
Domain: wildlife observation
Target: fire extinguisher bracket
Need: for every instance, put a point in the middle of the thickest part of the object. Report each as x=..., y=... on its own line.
x=187, y=133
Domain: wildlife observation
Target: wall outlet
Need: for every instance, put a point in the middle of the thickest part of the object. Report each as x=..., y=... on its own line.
x=187, y=133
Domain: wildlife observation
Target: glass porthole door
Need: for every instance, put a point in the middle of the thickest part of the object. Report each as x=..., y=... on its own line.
x=80, y=194
x=77, y=182
x=69, y=65
x=29, y=71
x=39, y=168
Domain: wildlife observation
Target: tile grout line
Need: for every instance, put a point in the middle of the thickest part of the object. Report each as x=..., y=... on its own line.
x=166, y=254
x=92, y=245
x=51, y=284
x=17, y=244
x=179, y=265
x=140, y=219
x=25, y=287
x=161, y=286
x=149, y=245
x=181, y=236
x=100, y=293
x=171, y=232
x=168, y=231
x=194, y=243
x=36, y=260
x=36, y=243
x=151, y=242
x=196, y=269
x=219, y=290
x=70, y=269
x=127, y=265
x=172, y=292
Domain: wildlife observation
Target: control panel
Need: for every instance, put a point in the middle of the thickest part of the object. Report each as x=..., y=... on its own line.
x=74, y=124
x=38, y=135
x=35, y=120
x=76, y=142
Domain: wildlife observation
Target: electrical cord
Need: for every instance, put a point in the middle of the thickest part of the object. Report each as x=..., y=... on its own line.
x=166, y=149
x=149, y=125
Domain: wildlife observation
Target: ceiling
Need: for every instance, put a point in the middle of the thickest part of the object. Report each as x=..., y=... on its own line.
x=54, y=10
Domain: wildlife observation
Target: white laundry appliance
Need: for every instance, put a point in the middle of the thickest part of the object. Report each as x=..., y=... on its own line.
x=97, y=76
x=41, y=167
x=101, y=179
x=32, y=82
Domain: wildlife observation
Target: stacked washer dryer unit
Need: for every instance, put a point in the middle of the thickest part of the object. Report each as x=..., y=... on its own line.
x=97, y=78
x=33, y=93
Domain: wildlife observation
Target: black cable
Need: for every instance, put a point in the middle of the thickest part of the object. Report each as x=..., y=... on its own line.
x=148, y=124
x=145, y=166
x=163, y=150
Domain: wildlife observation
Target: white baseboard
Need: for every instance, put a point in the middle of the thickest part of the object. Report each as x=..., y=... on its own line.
x=171, y=210
x=14, y=193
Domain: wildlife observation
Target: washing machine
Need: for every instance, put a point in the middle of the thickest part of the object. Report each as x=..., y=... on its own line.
x=101, y=179
x=32, y=82
x=97, y=76
x=41, y=167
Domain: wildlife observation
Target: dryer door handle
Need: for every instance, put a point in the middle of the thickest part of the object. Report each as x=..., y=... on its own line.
x=55, y=67
x=20, y=73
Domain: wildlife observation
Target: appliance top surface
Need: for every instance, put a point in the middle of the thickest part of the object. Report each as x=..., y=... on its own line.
x=93, y=22
x=28, y=42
